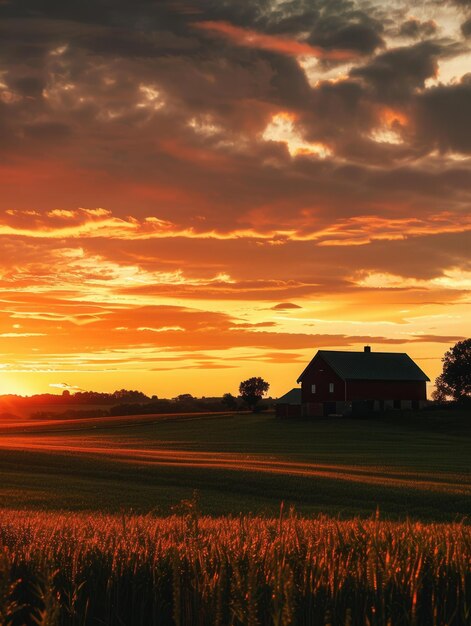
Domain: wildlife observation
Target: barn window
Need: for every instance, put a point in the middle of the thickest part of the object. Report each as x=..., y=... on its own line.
x=331, y=387
x=313, y=389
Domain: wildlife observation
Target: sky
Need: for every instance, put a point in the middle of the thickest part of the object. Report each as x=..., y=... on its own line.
x=195, y=192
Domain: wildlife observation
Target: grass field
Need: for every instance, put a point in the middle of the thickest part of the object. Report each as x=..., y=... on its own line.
x=406, y=466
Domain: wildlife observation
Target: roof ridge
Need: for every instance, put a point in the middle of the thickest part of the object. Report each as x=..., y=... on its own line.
x=361, y=352
x=360, y=365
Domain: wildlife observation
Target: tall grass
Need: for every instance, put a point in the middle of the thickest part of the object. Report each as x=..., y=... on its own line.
x=183, y=570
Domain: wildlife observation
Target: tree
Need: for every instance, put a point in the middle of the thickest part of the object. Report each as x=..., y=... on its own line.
x=129, y=395
x=185, y=397
x=229, y=401
x=252, y=391
x=455, y=380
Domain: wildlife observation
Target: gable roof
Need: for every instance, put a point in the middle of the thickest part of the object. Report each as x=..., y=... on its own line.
x=291, y=397
x=371, y=365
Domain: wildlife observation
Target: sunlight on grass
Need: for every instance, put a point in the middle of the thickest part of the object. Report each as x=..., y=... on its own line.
x=101, y=448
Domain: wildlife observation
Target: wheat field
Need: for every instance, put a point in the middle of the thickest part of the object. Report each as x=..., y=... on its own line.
x=187, y=569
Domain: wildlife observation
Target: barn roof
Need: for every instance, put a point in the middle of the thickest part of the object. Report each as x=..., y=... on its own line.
x=371, y=365
x=291, y=397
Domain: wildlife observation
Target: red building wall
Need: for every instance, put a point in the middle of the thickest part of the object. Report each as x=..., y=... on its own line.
x=386, y=390
x=320, y=374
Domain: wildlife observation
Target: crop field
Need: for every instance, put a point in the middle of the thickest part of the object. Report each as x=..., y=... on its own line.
x=235, y=520
x=187, y=569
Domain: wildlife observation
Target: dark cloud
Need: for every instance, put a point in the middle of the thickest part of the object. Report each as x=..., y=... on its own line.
x=288, y=85
x=466, y=27
x=136, y=15
x=416, y=29
x=81, y=125
x=362, y=35
x=442, y=116
x=50, y=131
x=340, y=114
x=285, y=306
x=29, y=86
x=423, y=258
x=330, y=24
x=395, y=74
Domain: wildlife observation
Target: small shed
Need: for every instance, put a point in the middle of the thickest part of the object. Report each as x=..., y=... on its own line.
x=289, y=405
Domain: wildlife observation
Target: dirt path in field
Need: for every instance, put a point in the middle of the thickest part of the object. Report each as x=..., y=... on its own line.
x=100, y=449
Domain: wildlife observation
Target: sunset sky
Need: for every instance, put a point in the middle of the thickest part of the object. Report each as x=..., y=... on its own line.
x=197, y=192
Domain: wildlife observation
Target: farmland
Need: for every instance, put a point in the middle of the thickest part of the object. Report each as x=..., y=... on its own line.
x=236, y=519
x=241, y=463
x=186, y=569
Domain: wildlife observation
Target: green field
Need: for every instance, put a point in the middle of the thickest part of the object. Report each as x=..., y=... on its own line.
x=416, y=466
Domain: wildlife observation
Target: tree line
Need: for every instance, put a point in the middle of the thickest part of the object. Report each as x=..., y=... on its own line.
x=453, y=384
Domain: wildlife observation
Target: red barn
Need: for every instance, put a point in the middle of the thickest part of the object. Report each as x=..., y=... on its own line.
x=387, y=379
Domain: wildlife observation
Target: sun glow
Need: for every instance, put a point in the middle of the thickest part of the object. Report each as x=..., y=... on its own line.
x=282, y=129
x=14, y=383
x=167, y=193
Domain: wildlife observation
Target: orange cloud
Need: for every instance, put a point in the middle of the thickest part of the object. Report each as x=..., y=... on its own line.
x=101, y=223
x=290, y=203
x=284, y=45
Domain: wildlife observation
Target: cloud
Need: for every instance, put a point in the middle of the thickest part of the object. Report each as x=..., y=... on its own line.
x=253, y=326
x=238, y=158
x=396, y=73
x=466, y=27
x=19, y=335
x=253, y=39
x=416, y=29
x=101, y=223
x=437, y=338
x=162, y=329
x=285, y=306
x=442, y=116
x=65, y=387
x=362, y=34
